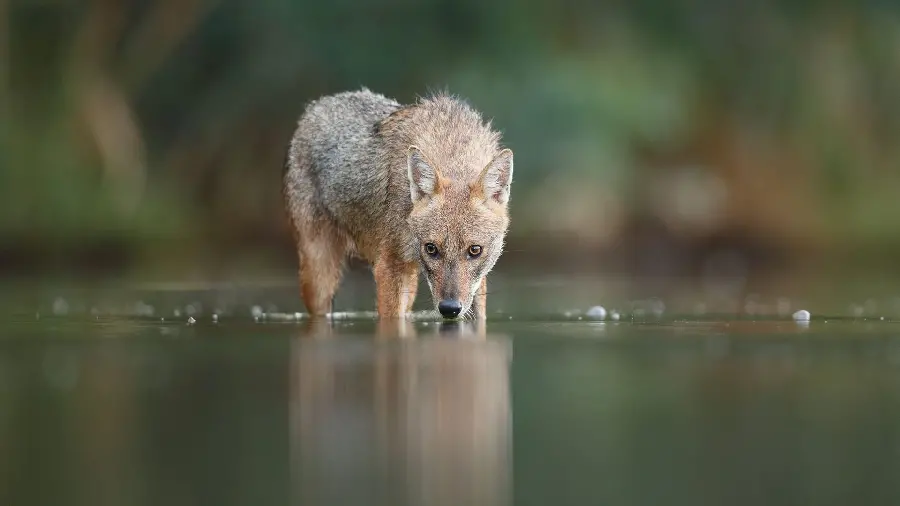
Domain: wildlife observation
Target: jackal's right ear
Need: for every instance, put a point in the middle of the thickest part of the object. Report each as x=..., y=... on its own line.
x=423, y=177
x=496, y=178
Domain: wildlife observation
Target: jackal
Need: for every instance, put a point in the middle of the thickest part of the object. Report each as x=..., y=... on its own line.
x=406, y=188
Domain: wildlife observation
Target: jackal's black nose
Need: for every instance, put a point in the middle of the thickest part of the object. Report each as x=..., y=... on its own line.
x=449, y=308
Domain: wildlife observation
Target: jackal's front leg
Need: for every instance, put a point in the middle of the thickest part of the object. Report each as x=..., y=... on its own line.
x=479, y=302
x=396, y=283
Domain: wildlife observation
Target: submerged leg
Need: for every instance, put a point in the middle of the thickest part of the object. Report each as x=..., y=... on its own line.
x=395, y=283
x=480, y=301
x=321, y=264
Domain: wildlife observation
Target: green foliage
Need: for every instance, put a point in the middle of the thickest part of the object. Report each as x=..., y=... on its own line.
x=609, y=94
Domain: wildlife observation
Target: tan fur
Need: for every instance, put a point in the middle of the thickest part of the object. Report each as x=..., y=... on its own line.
x=368, y=177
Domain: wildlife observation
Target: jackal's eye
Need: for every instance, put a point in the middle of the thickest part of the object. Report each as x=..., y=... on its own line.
x=431, y=249
x=474, y=251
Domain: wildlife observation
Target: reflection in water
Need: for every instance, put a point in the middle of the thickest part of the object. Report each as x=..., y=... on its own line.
x=400, y=328
x=423, y=422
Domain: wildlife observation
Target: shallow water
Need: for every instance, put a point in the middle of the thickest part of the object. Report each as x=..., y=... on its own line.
x=106, y=403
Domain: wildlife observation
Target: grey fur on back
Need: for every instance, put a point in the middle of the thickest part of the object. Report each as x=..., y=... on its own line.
x=334, y=144
x=348, y=160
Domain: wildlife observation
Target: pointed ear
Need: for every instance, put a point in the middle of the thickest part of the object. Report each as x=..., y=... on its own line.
x=423, y=177
x=497, y=176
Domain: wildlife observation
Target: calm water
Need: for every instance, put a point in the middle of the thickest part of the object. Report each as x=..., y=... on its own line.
x=681, y=409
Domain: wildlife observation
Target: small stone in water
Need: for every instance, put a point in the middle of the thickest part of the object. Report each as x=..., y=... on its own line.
x=597, y=313
x=298, y=316
x=191, y=320
x=60, y=306
x=256, y=311
x=801, y=316
x=614, y=315
x=215, y=318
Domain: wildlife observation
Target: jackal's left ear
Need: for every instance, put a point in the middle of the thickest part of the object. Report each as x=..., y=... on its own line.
x=423, y=177
x=497, y=177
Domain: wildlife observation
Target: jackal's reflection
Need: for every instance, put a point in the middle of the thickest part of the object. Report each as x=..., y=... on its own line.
x=397, y=328
x=395, y=422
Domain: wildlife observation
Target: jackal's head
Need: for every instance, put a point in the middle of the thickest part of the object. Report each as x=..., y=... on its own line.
x=459, y=227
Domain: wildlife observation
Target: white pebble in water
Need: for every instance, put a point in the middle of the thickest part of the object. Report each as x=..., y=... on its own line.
x=60, y=307
x=191, y=320
x=614, y=315
x=215, y=318
x=298, y=316
x=596, y=313
x=256, y=311
x=801, y=316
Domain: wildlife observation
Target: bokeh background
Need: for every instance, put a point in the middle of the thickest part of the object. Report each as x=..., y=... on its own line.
x=670, y=138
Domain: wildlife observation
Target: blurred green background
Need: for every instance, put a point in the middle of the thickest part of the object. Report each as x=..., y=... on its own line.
x=670, y=138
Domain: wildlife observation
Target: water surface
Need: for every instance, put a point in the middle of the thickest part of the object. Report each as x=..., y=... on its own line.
x=104, y=408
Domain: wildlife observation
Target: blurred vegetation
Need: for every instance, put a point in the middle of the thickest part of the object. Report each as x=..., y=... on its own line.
x=145, y=133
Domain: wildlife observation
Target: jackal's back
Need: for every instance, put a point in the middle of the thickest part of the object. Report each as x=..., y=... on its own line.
x=332, y=158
